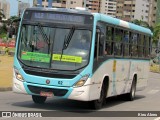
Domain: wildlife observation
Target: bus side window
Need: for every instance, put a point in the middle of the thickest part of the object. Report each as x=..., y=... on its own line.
x=109, y=40
x=134, y=42
x=140, y=45
x=147, y=47
x=126, y=43
x=118, y=42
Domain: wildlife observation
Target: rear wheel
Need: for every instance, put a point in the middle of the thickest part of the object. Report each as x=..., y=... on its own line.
x=97, y=104
x=38, y=99
x=131, y=94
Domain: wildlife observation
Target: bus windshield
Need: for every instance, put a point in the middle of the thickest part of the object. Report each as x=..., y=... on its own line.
x=56, y=48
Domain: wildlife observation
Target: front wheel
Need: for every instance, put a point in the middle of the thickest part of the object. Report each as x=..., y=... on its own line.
x=97, y=104
x=38, y=99
x=131, y=94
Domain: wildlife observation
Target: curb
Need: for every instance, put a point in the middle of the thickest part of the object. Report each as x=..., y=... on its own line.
x=5, y=89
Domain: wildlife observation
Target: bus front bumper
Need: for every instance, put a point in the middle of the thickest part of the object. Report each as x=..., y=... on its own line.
x=18, y=86
x=79, y=93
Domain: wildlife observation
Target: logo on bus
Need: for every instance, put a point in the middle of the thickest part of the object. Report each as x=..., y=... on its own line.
x=47, y=81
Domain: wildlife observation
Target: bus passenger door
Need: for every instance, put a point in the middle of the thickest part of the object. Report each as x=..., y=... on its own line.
x=98, y=67
x=98, y=55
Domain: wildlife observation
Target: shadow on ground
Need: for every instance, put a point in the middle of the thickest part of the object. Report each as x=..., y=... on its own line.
x=72, y=105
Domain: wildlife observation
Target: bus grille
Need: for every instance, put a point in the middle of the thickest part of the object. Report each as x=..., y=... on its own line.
x=56, y=92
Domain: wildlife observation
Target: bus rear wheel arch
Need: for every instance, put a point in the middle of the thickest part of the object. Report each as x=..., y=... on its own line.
x=38, y=99
x=97, y=104
x=131, y=95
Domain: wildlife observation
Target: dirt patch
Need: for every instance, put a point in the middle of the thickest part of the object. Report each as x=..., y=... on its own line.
x=6, y=71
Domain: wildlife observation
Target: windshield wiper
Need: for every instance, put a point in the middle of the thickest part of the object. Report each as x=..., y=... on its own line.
x=44, y=35
x=67, y=40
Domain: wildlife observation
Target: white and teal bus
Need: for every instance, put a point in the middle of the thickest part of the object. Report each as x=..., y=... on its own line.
x=78, y=55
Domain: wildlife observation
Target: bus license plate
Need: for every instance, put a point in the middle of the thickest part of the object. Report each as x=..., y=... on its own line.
x=46, y=94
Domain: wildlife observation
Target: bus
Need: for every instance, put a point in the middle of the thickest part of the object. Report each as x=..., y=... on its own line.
x=78, y=55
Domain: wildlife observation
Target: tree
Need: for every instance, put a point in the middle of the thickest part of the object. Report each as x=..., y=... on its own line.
x=155, y=30
x=141, y=23
x=156, y=33
x=12, y=18
x=1, y=14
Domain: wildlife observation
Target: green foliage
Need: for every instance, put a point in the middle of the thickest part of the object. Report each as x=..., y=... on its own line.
x=1, y=14
x=156, y=33
x=3, y=35
x=3, y=31
x=155, y=29
x=12, y=18
x=141, y=23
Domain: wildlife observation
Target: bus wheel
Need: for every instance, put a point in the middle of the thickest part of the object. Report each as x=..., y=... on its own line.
x=38, y=99
x=97, y=104
x=131, y=94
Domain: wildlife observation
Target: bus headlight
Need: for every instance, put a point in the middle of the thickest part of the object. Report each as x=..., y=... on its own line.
x=81, y=82
x=18, y=75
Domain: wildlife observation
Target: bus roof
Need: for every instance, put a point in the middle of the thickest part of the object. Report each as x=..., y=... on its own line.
x=97, y=16
x=121, y=23
x=65, y=10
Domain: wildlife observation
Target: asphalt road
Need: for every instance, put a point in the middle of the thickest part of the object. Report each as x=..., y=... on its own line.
x=146, y=100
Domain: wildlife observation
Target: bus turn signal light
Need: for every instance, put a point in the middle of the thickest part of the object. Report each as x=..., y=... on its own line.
x=18, y=75
x=82, y=81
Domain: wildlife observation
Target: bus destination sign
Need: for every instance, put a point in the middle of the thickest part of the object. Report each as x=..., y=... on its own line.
x=57, y=17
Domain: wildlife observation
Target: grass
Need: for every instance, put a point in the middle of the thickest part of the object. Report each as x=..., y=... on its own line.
x=155, y=68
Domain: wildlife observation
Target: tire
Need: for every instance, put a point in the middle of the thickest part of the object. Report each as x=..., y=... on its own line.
x=97, y=104
x=131, y=94
x=38, y=99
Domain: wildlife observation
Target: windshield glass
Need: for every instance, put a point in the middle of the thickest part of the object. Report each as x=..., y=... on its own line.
x=55, y=48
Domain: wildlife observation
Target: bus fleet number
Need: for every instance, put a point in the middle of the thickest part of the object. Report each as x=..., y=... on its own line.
x=60, y=82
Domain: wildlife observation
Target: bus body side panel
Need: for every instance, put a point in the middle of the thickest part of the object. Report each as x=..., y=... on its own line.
x=141, y=69
x=117, y=71
x=120, y=80
x=145, y=75
x=105, y=69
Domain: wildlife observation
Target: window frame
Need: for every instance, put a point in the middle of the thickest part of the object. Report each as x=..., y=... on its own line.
x=112, y=42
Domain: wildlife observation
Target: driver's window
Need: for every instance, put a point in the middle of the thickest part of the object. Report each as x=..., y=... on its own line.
x=99, y=44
